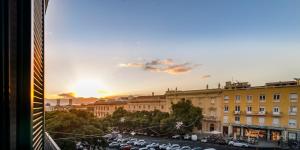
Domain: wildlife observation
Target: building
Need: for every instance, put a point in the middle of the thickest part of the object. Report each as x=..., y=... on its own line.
x=147, y=103
x=22, y=74
x=208, y=99
x=267, y=112
x=103, y=108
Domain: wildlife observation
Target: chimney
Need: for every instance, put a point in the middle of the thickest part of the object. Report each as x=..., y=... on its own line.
x=219, y=85
x=206, y=86
x=58, y=102
x=70, y=102
x=152, y=93
x=176, y=89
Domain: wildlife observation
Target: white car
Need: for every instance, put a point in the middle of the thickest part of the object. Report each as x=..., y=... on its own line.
x=185, y=148
x=140, y=143
x=164, y=146
x=176, y=137
x=173, y=147
x=114, y=144
x=204, y=140
x=152, y=145
x=210, y=149
x=186, y=137
x=238, y=144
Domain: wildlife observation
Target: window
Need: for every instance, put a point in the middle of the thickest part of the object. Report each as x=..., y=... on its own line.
x=293, y=123
x=226, y=108
x=237, y=119
x=249, y=98
x=262, y=97
x=237, y=108
x=293, y=96
x=276, y=97
x=237, y=98
x=276, y=110
x=212, y=100
x=293, y=110
x=261, y=109
x=212, y=113
x=261, y=120
x=275, y=121
x=249, y=109
x=225, y=119
x=148, y=106
x=162, y=106
x=249, y=120
x=226, y=97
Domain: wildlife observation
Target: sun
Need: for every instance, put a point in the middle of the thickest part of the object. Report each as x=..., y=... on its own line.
x=90, y=88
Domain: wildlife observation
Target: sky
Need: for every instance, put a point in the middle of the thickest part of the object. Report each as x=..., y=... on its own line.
x=99, y=48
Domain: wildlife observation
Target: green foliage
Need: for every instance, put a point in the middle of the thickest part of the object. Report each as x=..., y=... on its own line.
x=67, y=127
x=77, y=123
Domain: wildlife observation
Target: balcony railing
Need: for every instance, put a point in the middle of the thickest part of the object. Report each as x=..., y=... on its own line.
x=50, y=143
x=277, y=113
x=292, y=113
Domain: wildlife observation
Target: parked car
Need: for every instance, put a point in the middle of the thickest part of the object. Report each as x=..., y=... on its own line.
x=140, y=143
x=131, y=141
x=185, y=148
x=143, y=148
x=114, y=144
x=173, y=147
x=152, y=145
x=210, y=149
x=125, y=147
x=194, y=137
x=197, y=148
x=238, y=143
x=203, y=140
x=176, y=137
x=186, y=137
x=134, y=148
x=164, y=146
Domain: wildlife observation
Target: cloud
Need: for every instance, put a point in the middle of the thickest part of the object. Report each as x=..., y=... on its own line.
x=165, y=65
x=67, y=95
x=131, y=65
x=206, y=76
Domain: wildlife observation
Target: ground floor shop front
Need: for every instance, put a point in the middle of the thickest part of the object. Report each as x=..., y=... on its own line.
x=261, y=132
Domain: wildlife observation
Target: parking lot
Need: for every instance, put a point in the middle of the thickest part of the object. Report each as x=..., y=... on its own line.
x=180, y=142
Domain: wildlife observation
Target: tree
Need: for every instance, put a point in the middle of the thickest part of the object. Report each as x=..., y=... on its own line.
x=67, y=127
x=184, y=112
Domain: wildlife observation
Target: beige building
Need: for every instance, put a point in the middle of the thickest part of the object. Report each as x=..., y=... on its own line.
x=104, y=108
x=147, y=103
x=268, y=112
x=208, y=99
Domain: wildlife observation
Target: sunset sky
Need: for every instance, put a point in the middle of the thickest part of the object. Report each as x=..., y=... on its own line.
x=119, y=47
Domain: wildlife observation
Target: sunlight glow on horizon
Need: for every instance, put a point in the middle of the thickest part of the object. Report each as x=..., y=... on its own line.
x=90, y=88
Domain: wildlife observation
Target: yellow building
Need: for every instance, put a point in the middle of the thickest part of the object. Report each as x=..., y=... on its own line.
x=104, y=108
x=209, y=100
x=268, y=112
x=147, y=103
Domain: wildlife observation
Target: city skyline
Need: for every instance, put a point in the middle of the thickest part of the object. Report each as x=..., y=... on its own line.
x=104, y=48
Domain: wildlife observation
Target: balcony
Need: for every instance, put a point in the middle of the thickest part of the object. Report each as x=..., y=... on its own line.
x=277, y=114
x=50, y=143
x=237, y=112
x=292, y=113
x=210, y=118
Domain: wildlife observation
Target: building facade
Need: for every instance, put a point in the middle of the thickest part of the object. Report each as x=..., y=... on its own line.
x=104, y=108
x=268, y=112
x=208, y=99
x=147, y=103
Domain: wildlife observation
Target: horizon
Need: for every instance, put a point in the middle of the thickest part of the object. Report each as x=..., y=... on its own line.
x=108, y=48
